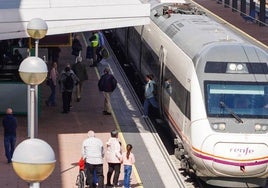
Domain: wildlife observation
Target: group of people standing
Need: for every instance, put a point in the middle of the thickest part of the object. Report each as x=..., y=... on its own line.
x=93, y=154
x=78, y=74
x=71, y=77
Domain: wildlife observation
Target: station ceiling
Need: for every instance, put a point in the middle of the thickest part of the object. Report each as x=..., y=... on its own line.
x=70, y=16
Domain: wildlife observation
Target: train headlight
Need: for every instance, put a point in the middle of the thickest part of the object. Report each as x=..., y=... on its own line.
x=264, y=128
x=222, y=126
x=219, y=126
x=260, y=127
x=257, y=127
x=215, y=126
x=236, y=68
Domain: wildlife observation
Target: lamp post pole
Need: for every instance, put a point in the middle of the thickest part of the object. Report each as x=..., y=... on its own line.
x=35, y=131
x=33, y=71
x=37, y=29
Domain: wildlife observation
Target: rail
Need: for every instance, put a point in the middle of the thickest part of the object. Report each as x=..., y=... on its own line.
x=252, y=16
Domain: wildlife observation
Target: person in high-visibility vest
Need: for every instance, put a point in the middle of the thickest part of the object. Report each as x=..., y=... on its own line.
x=94, y=40
x=100, y=47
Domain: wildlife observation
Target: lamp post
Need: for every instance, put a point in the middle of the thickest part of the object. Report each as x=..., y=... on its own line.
x=33, y=161
x=36, y=29
x=33, y=71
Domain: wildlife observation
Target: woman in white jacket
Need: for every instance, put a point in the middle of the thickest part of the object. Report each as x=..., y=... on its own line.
x=113, y=157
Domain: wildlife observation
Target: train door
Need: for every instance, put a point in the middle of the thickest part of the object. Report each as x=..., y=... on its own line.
x=162, y=58
x=140, y=47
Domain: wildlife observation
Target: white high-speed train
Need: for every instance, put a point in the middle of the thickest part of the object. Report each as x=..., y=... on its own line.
x=213, y=91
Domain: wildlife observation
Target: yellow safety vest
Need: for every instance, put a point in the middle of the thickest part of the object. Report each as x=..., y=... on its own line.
x=95, y=42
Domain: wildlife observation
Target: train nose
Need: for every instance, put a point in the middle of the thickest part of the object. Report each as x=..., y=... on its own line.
x=236, y=159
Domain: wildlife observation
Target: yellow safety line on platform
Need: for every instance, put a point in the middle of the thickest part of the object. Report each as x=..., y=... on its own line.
x=136, y=174
x=122, y=139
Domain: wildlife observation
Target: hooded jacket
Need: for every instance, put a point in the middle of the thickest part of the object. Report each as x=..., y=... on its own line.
x=114, y=153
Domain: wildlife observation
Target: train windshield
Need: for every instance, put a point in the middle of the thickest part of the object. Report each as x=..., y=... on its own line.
x=227, y=99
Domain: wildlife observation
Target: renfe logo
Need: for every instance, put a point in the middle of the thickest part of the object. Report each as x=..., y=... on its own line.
x=241, y=151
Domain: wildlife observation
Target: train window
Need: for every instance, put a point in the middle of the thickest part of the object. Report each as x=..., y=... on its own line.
x=257, y=68
x=244, y=99
x=215, y=67
x=168, y=85
x=134, y=37
x=236, y=67
x=149, y=60
x=177, y=92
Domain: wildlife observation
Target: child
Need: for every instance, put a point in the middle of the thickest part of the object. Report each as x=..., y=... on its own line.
x=128, y=160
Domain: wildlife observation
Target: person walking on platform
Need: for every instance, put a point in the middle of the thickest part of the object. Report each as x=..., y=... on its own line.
x=10, y=126
x=149, y=95
x=76, y=46
x=67, y=81
x=94, y=41
x=128, y=159
x=114, y=157
x=107, y=85
x=93, y=153
x=80, y=71
x=100, y=46
x=51, y=101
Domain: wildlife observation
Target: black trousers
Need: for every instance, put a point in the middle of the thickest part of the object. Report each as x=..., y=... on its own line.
x=90, y=174
x=116, y=168
x=66, y=100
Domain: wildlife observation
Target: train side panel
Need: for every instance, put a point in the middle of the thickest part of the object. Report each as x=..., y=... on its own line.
x=201, y=83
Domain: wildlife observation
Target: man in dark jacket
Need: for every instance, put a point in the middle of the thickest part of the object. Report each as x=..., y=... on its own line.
x=67, y=81
x=10, y=126
x=107, y=85
x=76, y=46
x=80, y=70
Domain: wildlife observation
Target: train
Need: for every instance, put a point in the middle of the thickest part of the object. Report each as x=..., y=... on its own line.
x=213, y=91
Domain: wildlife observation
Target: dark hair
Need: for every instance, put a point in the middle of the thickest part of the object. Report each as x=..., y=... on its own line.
x=67, y=69
x=114, y=133
x=129, y=148
x=150, y=76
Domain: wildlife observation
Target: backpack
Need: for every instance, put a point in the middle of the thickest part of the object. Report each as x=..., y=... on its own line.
x=68, y=82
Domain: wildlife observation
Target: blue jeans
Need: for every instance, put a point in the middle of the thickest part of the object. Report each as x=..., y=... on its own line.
x=52, y=97
x=147, y=103
x=127, y=173
x=9, y=142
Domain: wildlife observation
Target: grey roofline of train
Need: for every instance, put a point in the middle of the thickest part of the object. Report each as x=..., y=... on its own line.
x=175, y=28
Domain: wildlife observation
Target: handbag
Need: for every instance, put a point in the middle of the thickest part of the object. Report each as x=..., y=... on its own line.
x=104, y=53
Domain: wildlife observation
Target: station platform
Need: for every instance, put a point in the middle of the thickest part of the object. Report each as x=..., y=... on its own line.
x=66, y=132
x=258, y=34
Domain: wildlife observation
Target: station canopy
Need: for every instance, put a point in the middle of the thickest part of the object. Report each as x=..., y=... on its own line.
x=70, y=16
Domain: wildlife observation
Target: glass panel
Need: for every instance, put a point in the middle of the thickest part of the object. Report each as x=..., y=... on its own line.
x=245, y=100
